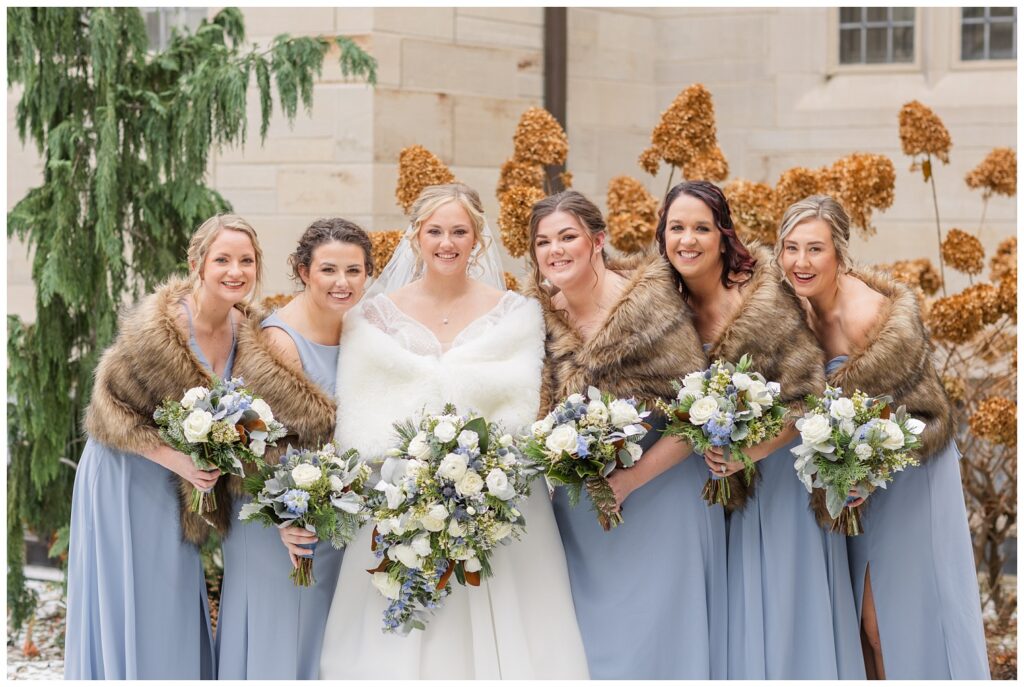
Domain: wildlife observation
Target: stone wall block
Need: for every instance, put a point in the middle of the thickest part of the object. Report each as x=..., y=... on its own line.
x=325, y=190
x=405, y=118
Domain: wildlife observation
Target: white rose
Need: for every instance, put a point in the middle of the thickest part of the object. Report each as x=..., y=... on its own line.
x=419, y=447
x=405, y=555
x=894, y=438
x=635, y=451
x=623, y=413
x=194, y=394
x=842, y=409
x=433, y=521
x=685, y=393
x=597, y=411
x=702, y=410
x=469, y=484
x=506, y=440
x=498, y=486
x=575, y=398
x=444, y=431
x=421, y=545
x=502, y=530
x=258, y=446
x=472, y=564
x=336, y=483
x=305, y=475
x=389, y=525
x=741, y=381
x=863, y=451
x=469, y=439
x=562, y=438
x=262, y=409
x=453, y=467
x=391, y=589
x=695, y=382
x=197, y=426
x=814, y=429
x=456, y=528
x=542, y=427
x=413, y=468
x=759, y=393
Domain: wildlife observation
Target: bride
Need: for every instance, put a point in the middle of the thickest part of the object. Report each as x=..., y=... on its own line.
x=426, y=334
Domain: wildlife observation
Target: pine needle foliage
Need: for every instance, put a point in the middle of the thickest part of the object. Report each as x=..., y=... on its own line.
x=125, y=135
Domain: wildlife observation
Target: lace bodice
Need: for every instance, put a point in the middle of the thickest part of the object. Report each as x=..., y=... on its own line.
x=415, y=337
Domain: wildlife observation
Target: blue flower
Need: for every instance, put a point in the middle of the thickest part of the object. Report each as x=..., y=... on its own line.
x=581, y=447
x=296, y=500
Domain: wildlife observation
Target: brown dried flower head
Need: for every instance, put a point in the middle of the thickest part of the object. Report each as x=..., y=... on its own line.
x=753, y=210
x=517, y=173
x=862, y=183
x=511, y=282
x=632, y=214
x=686, y=135
x=711, y=166
x=1004, y=259
x=919, y=273
x=566, y=179
x=417, y=169
x=956, y=387
x=276, y=301
x=650, y=160
x=540, y=139
x=986, y=298
x=922, y=133
x=514, y=218
x=796, y=184
x=995, y=420
x=384, y=244
x=963, y=252
x=1008, y=293
x=997, y=173
x=955, y=319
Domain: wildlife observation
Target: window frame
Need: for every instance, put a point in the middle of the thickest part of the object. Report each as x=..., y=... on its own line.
x=836, y=67
x=959, y=63
x=165, y=27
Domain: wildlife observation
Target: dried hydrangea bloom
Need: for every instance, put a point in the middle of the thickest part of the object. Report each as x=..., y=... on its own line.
x=1008, y=293
x=686, y=132
x=963, y=252
x=796, y=184
x=955, y=319
x=511, y=282
x=276, y=301
x=1004, y=259
x=753, y=210
x=540, y=139
x=632, y=214
x=995, y=420
x=956, y=387
x=997, y=173
x=919, y=273
x=922, y=133
x=518, y=173
x=862, y=183
x=514, y=218
x=417, y=169
x=384, y=244
x=986, y=298
x=650, y=160
x=566, y=179
x=710, y=165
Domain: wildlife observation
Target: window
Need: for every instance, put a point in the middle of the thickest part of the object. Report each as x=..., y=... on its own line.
x=876, y=35
x=161, y=20
x=988, y=33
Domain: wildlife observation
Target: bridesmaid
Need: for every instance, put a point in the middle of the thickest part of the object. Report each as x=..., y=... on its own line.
x=137, y=605
x=650, y=595
x=913, y=567
x=791, y=612
x=269, y=628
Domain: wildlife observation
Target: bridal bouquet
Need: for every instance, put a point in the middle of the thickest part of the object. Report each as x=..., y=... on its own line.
x=853, y=442
x=320, y=491
x=728, y=406
x=447, y=497
x=220, y=427
x=581, y=441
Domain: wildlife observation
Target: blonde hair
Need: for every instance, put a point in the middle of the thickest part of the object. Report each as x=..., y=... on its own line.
x=827, y=209
x=432, y=198
x=199, y=246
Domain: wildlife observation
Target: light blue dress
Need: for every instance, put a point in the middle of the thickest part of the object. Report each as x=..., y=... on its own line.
x=270, y=629
x=923, y=579
x=650, y=595
x=137, y=606
x=791, y=604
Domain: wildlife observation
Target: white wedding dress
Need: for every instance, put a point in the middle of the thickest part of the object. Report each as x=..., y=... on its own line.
x=518, y=624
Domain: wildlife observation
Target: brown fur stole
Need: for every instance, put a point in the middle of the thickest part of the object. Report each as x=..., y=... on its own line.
x=150, y=361
x=771, y=327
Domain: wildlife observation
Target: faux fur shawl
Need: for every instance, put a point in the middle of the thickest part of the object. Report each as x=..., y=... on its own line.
x=495, y=371
x=150, y=361
x=897, y=361
x=771, y=327
x=648, y=340
x=298, y=402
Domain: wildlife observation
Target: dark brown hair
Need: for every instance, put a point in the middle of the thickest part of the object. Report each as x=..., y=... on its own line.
x=735, y=258
x=325, y=231
x=576, y=204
